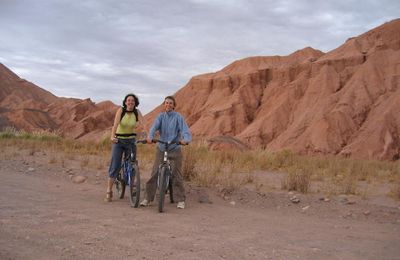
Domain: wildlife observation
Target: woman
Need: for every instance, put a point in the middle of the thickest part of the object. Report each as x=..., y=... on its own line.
x=123, y=134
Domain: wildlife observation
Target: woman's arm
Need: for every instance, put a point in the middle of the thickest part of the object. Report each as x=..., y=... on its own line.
x=117, y=119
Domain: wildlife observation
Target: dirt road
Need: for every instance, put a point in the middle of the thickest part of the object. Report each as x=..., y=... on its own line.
x=43, y=215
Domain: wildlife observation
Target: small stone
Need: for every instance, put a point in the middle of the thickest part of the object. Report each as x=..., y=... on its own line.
x=305, y=208
x=349, y=215
x=78, y=179
x=367, y=212
x=294, y=199
x=232, y=203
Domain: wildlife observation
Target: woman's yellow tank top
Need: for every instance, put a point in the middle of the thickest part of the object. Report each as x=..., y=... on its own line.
x=126, y=128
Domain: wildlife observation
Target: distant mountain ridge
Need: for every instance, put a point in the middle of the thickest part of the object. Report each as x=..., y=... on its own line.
x=24, y=105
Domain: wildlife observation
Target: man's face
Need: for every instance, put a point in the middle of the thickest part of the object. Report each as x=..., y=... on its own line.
x=169, y=105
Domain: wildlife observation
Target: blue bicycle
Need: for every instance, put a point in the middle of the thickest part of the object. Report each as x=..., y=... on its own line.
x=129, y=175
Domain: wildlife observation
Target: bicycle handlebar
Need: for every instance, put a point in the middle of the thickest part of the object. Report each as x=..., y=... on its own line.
x=141, y=141
x=167, y=143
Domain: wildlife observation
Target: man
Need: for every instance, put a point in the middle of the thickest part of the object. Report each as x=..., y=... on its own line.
x=172, y=128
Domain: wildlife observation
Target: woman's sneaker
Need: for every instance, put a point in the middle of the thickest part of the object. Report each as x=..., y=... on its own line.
x=181, y=205
x=109, y=196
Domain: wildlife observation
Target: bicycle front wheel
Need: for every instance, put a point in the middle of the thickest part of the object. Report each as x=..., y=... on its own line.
x=171, y=191
x=120, y=184
x=163, y=185
x=134, y=186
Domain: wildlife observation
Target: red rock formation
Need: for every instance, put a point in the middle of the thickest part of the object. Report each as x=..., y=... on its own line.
x=26, y=106
x=346, y=101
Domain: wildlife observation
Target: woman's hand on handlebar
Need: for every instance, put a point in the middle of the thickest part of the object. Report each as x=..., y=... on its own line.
x=149, y=140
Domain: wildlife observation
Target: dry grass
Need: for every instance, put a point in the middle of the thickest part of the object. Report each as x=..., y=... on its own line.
x=227, y=169
x=395, y=191
x=395, y=179
x=297, y=179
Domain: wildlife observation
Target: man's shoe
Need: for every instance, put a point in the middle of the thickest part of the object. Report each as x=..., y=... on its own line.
x=145, y=203
x=181, y=205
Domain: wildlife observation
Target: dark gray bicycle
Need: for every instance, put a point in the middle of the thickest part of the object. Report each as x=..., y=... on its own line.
x=164, y=180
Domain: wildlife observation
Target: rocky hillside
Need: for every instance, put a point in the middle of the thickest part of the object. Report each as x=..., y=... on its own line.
x=346, y=101
x=26, y=106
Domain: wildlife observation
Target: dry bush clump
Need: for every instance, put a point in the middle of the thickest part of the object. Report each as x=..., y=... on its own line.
x=189, y=163
x=395, y=191
x=297, y=179
x=395, y=179
x=283, y=159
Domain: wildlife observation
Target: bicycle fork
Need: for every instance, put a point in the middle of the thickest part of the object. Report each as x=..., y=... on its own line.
x=167, y=172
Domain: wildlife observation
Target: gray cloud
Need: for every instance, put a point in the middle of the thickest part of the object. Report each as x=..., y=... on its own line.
x=105, y=49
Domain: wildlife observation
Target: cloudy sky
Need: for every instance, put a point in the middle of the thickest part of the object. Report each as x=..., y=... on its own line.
x=104, y=49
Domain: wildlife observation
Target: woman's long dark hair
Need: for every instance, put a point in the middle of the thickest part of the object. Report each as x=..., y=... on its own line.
x=134, y=108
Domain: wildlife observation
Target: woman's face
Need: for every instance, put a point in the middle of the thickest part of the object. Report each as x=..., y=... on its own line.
x=130, y=103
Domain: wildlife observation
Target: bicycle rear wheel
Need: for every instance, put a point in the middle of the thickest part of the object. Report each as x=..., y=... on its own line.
x=134, y=186
x=163, y=185
x=120, y=184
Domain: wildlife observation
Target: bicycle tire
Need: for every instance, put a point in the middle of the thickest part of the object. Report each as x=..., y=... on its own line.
x=162, y=188
x=171, y=191
x=134, y=186
x=120, y=185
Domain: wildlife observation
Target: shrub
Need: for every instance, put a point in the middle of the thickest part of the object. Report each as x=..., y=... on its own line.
x=297, y=179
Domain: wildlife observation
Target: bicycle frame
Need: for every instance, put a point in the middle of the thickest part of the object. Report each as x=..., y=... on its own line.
x=166, y=163
x=128, y=165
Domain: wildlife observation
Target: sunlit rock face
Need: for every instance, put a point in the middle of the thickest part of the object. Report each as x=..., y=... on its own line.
x=345, y=102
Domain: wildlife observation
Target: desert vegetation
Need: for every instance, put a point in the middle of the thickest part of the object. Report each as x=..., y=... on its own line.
x=230, y=169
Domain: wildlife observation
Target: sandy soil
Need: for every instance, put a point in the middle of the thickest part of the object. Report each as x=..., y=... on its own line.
x=44, y=215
